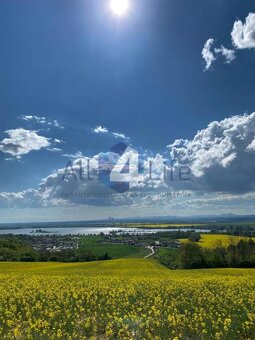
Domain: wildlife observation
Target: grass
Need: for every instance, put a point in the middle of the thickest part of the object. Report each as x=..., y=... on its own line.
x=166, y=251
x=211, y=240
x=97, y=246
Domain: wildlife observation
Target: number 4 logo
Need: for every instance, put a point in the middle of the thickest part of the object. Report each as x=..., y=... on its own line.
x=119, y=168
x=126, y=168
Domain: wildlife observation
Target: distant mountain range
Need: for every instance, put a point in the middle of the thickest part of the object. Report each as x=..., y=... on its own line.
x=189, y=219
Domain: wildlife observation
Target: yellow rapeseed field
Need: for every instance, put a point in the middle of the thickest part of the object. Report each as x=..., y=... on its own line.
x=125, y=299
x=212, y=240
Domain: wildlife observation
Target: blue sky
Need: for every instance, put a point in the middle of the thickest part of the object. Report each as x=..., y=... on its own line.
x=141, y=75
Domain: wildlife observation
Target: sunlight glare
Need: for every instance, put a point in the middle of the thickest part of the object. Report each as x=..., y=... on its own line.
x=119, y=7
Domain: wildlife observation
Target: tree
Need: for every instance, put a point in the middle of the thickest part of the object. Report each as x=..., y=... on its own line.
x=194, y=237
x=191, y=256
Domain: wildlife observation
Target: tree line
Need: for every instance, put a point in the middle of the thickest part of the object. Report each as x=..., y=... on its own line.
x=239, y=254
x=16, y=249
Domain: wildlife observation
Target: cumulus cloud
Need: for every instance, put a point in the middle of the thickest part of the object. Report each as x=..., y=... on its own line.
x=21, y=142
x=41, y=120
x=75, y=184
x=24, y=199
x=219, y=156
x=78, y=184
x=243, y=34
x=251, y=146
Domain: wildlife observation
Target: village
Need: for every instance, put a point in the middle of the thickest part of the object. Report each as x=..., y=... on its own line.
x=52, y=243
x=165, y=239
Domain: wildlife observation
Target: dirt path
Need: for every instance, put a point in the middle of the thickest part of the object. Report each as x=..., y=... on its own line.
x=152, y=249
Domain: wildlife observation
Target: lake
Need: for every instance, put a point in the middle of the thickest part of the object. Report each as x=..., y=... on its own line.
x=87, y=230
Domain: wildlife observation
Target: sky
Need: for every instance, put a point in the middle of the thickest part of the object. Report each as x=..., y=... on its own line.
x=171, y=79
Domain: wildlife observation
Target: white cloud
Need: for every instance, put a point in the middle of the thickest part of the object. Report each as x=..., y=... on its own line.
x=119, y=135
x=219, y=155
x=21, y=142
x=28, y=118
x=243, y=34
x=41, y=120
x=227, y=53
x=104, y=130
x=54, y=149
x=55, y=123
x=74, y=186
x=23, y=199
x=207, y=54
x=218, y=204
x=58, y=141
x=243, y=37
x=100, y=129
x=210, y=55
x=251, y=146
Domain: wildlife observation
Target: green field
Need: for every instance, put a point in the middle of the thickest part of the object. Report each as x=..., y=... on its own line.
x=125, y=299
x=97, y=246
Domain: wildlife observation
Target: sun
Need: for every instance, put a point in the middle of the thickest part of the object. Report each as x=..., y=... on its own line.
x=119, y=7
